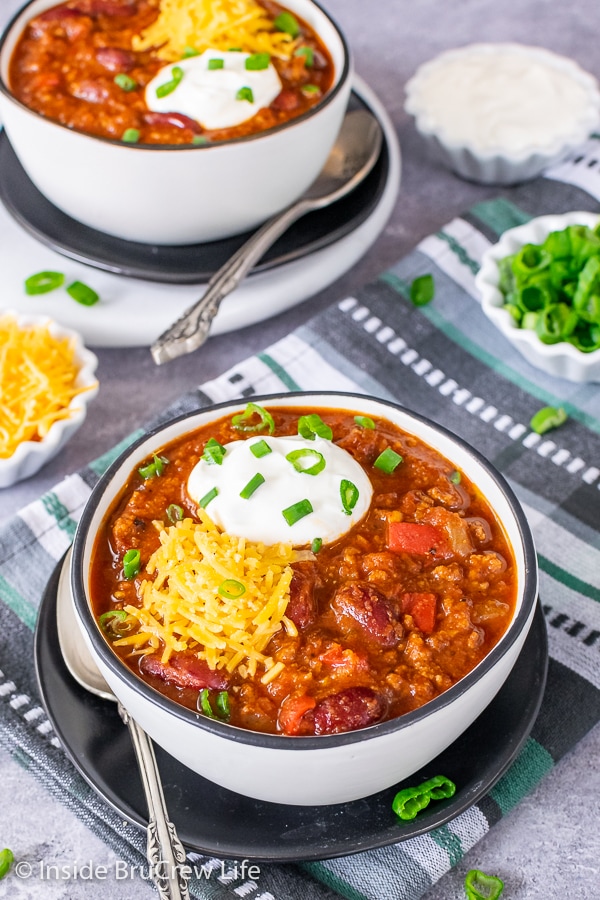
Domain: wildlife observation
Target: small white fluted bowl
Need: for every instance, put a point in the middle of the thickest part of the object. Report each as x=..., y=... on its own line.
x=172, y=195
x=324, y=769
x=497, y=164
x=563, y=359
x=30, y=456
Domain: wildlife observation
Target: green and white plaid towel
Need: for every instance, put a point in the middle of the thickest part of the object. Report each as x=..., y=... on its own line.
x=446, y=361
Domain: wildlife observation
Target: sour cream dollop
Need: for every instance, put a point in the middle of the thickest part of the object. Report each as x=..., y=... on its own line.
x=260, y=517
x=210, y=95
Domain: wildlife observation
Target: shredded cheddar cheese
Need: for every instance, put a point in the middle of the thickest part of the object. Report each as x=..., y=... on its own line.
x=38, y=374
x=216, y=24
x=183, y=609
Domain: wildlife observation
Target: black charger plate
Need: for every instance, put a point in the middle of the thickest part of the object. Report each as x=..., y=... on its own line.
x=185, y=264
x=215, y=821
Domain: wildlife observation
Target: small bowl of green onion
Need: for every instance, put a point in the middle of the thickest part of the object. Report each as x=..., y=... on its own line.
x=540, y=285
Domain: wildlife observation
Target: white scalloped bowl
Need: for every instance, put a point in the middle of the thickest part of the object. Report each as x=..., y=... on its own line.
x=30, y=456
x=482, y=160
x=562, y=360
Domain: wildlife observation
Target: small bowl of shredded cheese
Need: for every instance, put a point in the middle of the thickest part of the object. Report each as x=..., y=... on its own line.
x=47, y=378
x=500, y=113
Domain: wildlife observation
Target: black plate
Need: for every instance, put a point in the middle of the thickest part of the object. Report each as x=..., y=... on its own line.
x=190, y=264
x=215, y=821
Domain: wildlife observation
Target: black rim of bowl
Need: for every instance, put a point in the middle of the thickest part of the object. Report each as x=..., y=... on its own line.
x=290, y=123
x=277, y=741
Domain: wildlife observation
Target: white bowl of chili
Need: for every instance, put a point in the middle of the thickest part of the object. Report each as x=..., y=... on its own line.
x=539, y=288
x=126, y=140
x=47, y=378
x=350, y=693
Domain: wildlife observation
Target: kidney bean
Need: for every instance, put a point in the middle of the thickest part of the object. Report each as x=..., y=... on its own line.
x=301, y=608
x=185, y=672
x=61, y=20
x=115, y=59
x=286, y=100
x=359, y=603
x=355, y=707
x=92, y=91
x=173, y=118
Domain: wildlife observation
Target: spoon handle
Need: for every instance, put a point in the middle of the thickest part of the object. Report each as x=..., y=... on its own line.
x=191, y=329
x=165, y=851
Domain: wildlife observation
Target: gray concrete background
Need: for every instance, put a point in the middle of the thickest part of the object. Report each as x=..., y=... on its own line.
x=549, y=847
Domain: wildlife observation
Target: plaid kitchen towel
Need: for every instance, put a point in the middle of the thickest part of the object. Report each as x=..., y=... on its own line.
x=448, y=362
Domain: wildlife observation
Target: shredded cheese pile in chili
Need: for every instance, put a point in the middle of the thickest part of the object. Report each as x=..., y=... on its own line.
x=216, y=24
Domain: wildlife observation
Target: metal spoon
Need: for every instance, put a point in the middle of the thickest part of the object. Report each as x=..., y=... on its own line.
x=165, y=851
x=351, y=159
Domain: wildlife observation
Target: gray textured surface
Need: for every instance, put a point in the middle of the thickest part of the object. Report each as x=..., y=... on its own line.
x=549, y=847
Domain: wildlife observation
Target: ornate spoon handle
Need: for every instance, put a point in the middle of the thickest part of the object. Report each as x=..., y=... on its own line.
x=164, y=849
x=191, y=329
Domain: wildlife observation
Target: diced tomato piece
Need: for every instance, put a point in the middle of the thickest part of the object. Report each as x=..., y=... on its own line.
x=292, y=711
x=416, y=537
x=422, y=607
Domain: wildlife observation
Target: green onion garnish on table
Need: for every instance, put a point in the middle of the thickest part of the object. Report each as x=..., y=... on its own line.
x=410, y=801
x=479, y=886
x=547, y=418
x=7, y=858
x=82, y=293
x=43, y=282
x=422, y=290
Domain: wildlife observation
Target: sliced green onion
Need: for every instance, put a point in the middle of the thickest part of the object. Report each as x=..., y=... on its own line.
x=7, y=858
x=297, y=511
x=131, y=564
x=245, y=93
x=231, y=589
x=285, y=21
x=125, y=82
x=308, y=54
x=163, y=90
x=205, y=704
x=388, y=461
x=254, y=483
x=199, y=140
x=312, y=426
x=349, y=495
x=257, y=62
x=309, y=90
x=316, y=544
x=410, y=801
x=154, y=468
x=241, y=423
x=43, y=282
x=547, y=418
x=364, y=422
x=422, y=290
x=130, y=136
x=455, y=477
x=222, y=704
x=260, y=449
x=174, y=513
x=215, y=64
x=479, y=886
x=213, y=452
x=108, y=619
x=189, y=52
x=85, y=295
x=306, y=460
x=210, y=495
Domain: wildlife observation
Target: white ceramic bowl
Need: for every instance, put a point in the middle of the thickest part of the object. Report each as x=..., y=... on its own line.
x=176, y=195
x=329, y=768
x=30, y=456
x=486, y=144
x=562, y=359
